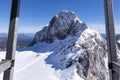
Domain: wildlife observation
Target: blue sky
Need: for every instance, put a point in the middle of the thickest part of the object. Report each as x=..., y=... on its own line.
x=34, y=14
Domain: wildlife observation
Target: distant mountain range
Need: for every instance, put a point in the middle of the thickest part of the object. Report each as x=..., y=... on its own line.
x=23, y=40
x=19, y=35
x=117, y=36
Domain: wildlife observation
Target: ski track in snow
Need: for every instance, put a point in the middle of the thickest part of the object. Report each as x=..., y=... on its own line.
x=31, y=66
x=26, y=66
x=38, y=58
x=36, y=70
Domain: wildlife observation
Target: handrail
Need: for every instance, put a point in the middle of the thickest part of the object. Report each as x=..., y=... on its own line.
x=111, y=43
x=12, y=40
x=116, y=67
x=5, y=64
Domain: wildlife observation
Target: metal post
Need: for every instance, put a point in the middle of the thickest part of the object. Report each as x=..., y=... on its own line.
x=4, y=65
x=12, y=38
x=112, y=55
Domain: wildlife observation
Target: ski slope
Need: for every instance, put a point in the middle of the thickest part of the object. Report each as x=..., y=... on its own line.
x=30, y=65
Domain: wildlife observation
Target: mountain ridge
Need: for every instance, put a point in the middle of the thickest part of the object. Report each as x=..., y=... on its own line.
x=75, y=43
x=62, y=25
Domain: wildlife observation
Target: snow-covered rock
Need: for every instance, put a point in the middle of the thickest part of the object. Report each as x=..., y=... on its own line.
x=75, y=44
x=88, y=52
x=62, y=25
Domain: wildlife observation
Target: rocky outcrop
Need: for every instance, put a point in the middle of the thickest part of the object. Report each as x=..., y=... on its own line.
x=94, y=50
x=75, y=44
x=87, y=51
x=62, y=25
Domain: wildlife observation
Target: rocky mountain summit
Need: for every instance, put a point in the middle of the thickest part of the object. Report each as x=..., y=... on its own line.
x=62, y=25
x=73, y=43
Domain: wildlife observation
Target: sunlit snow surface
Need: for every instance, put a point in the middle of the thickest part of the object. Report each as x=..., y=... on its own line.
x=31, y=66
x=48, y=61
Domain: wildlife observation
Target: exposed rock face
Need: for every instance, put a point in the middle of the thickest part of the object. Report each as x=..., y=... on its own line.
x=64, y=24
x=75, y=44
x=94, y=49
x=88, y=51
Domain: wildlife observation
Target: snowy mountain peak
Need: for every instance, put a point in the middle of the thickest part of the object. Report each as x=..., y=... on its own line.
x=69, y=43
x=66, y=49
x=64, y=24
x=68, y=15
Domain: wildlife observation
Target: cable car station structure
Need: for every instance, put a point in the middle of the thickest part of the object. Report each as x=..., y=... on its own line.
x=7, y=65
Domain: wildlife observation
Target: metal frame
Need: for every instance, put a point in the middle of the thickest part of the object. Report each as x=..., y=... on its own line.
x=7, y=65
x=4, y=65
x=114, y=67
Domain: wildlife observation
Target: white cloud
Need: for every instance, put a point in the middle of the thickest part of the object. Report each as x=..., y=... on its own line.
x=117, y=28
x=98, y=27
x=22, y=29
x=33, y=29
x=101, y=28
x=3, y=29
x=29, y=29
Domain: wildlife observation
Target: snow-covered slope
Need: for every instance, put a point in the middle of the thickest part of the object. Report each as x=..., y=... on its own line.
x=66, y=49
x=75, y=43
x=31, y=66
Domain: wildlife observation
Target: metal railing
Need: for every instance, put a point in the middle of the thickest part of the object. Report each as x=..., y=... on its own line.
x=4, y=65
x=114, y=67
x=7, y=65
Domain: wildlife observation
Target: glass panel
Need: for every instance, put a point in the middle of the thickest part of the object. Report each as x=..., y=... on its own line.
x=5, y=6
x=36, y=14
x=60, y=49
x=116, y=8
